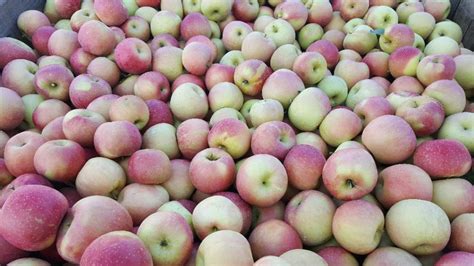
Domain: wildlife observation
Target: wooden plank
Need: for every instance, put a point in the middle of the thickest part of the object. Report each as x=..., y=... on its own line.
x=463, y=17
x=454, y=7
x=9, y=12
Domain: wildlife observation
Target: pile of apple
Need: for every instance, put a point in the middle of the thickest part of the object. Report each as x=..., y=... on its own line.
x=237, y=132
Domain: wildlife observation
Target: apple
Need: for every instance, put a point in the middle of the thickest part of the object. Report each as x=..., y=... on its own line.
x=80, y=125
x=194, y=24
x=214, y=245
x=88, y=38
x=165, y=22
x=136, y=27
x=304, y=113
x=282, y=85
x=403, y=181
x=443, y=158
x=183, y=208
x=344, y=70
x=373, y=107
x=216, y=10
x=440, y=90
x=218, y=73
x=361, y=40
x=179, y=185
x=125, y=243
x=130, y=108
x=172, y=6
x=274, y=138
x=320, y=12
x=378, y=63
x=335, y=88
x=15, y=49
x=107, y=133
x=142, y=200
x=457, y=127
x=106, y=69
x=335, y=36
x=53, y=81
x=397, y=143
x=310, y=67
x=20, y=151
x=47, y=111
x=162, y=40
x=212, y=166
x=85, y=88
x=152, y=85
x=332, y=134
x=5, y=176
x=192, y=137
x=150, y=167
x=422, y=23
x=31, y=20
x=31, y=216
x=391, y=255
x=65, y=160
x=133, y=56
x=273, y=237
x=353, y=9
x=352, y=24
x=40, y=39
x=225, y=94
x=82, y=16
x=432, y=230
x=112, y=13
x=234, y=33
x=63, y=43
x=435, y=67
x=9, y=253
x=461, y=233
x=265, y=111
x=447, y=28
x=292, y=11
x=442, y=45
x=424, y=114
x=346, y=226
x=12, y=108
x=216, y=213
x=404, y=61
x=18, y=75
x=257, y=45
x=258, y=188
x=80, y=60
x=162, y=137
x=100, y=176
x=463, y=69
x=350, y=174
x=101, y=105
x=189, y=101
x=337, y=256
x=440, y=9
x=406, y=84
x=313, y=140
x=231, y=135
x=271, y=260
x=281, y=32
x=362, y=90
x=308, y=210
x=309, y=34
x=381, y=17
x=396, y=36
x=405, y=9
x=80, y=227
x=188, y=78
x=284, y=57
x=3, y=142
x=303, y=257
x=455, y=257
x=262, y=21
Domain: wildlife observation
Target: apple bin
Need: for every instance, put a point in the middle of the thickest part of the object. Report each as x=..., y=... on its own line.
x=237, y=132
